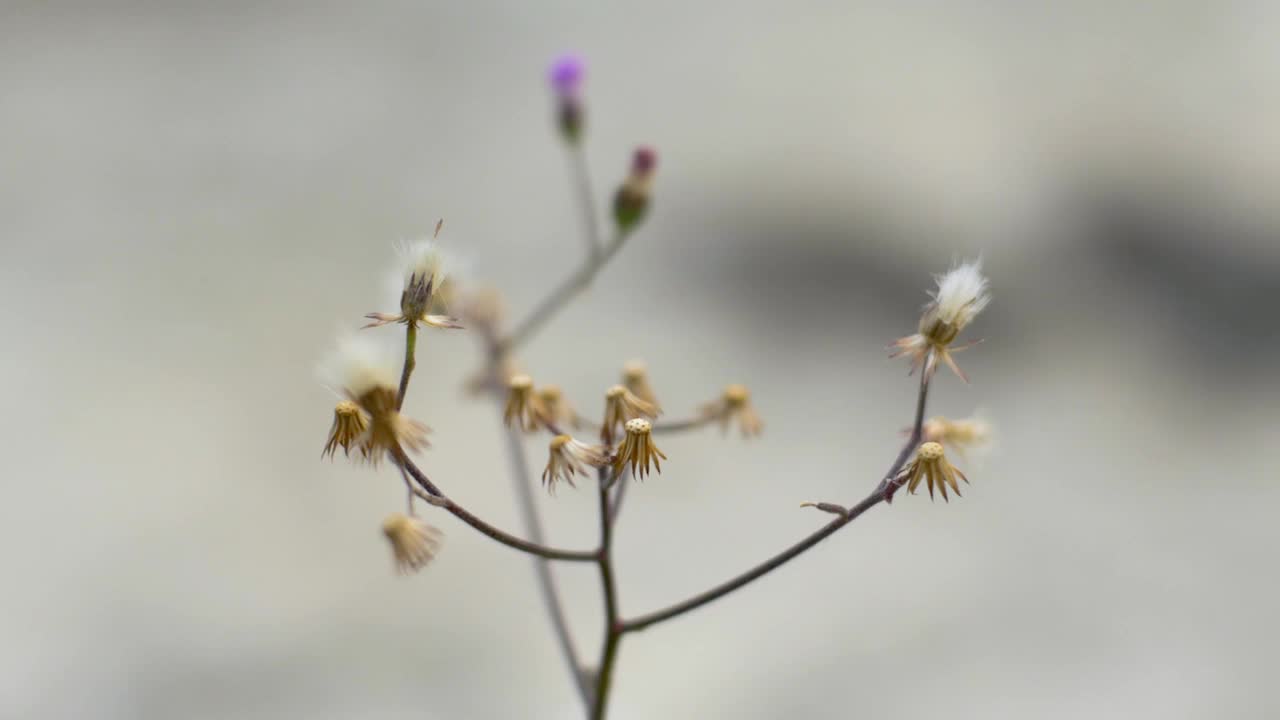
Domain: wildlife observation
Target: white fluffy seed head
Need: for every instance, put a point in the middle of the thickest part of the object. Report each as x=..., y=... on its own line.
x=961, y=295
x=360, y=364
x=420, y=260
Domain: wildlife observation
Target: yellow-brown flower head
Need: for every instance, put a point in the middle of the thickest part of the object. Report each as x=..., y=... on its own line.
x=413, y=542
x=362, y=368
x=638, y=450
x=734, y=405
x=569, y=457
x=961, y=295
x=557, y=408
x=349, y=424
x=621, y=405
x=523, y=410
x=930, y=466
x=635, y=377
x=960, y=435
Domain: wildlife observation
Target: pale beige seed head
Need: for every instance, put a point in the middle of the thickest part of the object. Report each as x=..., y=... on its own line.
x=930, y=451
x=523, y=408
x=413, y=542
x=638, y=450
x=349, y=423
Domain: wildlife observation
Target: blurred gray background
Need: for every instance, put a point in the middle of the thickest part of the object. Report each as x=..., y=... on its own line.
x=196, y=197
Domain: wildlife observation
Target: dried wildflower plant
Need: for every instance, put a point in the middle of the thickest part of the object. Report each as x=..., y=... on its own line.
x=368, y=424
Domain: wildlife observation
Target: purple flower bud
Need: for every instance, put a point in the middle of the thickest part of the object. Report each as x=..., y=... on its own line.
x=566, y=75
x=643, y=161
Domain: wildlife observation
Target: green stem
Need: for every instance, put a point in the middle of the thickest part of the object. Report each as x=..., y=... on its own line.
x=410, y=345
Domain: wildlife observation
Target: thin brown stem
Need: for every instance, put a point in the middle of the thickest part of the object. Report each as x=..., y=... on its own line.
x=619, y=494
x=546, y=579
x=533, y=525
x=882, y=492
x=535, y=547
x=612, y=620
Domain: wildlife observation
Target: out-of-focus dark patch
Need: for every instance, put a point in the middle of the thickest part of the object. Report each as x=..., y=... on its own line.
x=1219, y=298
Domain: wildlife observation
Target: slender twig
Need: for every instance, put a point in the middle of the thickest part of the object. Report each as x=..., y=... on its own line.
x=581, y=172
x=612, y=621
x=882, y=492
x=619, y=493
x=535, y=547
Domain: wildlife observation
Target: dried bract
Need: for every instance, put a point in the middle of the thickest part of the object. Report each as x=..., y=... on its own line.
x=413, y=542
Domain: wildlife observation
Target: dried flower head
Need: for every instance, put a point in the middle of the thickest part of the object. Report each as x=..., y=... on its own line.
x=558, y=410
x=734, y=405
x=349, y=423
x=423, y=270
x=638, y=450
x=631, y=202
x=413, y=542
x=524, y=410
x=621, y=405
x=569, y=457
x=961, y=435
x=930, y=465
x=362, y=368
x=635, y=377
x=961, y=295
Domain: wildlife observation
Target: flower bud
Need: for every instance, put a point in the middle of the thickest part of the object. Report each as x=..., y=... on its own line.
x=566, y=76
x=631, y=202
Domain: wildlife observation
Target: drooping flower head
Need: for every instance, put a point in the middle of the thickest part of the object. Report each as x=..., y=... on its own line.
x=635, y=377
x=557, y=407
x=961, y=435
x=523, y=409
x=349, y=424
x=930, y=466
x=734, y=405
x=413, y=542
x=621, y=405
x=638, y=449
x=962, y=294
x=569, y=457
x=362, y=368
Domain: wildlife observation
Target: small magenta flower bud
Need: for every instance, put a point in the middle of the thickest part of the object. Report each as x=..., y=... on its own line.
x=566, y=77
x=631, y=202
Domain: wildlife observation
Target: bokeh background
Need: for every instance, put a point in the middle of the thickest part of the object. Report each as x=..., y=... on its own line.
x=197, y=196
